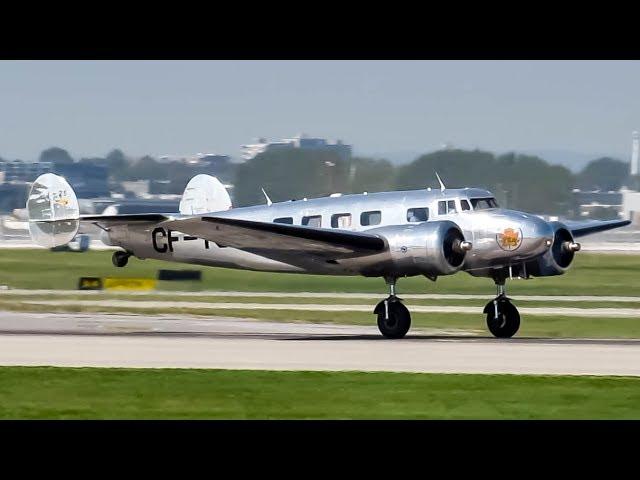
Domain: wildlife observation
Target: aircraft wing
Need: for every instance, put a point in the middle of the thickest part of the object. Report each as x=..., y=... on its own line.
x=275, y=239
x=580, y=229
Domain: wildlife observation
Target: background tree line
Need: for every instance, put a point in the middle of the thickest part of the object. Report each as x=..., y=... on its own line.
x=519, y=181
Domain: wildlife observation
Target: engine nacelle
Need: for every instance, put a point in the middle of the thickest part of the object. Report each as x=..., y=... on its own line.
x=559, y=257
x=430, y=248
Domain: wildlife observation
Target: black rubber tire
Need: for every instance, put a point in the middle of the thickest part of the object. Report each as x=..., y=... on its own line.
x=508, y=321
x=120, y=259
x=398, y=323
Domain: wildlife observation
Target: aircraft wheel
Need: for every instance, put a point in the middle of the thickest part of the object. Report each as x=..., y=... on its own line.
x=507, y=323
x=394, y=319
x=120, y=259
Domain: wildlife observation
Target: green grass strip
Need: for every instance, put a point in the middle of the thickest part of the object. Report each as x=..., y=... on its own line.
x=96, y=393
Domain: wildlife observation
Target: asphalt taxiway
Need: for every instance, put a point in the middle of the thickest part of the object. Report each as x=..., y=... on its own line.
x=105, y=340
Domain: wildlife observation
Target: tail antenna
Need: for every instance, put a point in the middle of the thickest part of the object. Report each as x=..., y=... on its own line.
x=269, y=202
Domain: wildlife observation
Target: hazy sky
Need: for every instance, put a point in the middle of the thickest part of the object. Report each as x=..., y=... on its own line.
x=184, y=107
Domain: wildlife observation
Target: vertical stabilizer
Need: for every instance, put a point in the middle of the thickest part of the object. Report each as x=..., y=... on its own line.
x=204, y=194
x=53, y=211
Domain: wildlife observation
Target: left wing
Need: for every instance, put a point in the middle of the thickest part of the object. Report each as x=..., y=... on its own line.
x=580, y=229
x=276, y=239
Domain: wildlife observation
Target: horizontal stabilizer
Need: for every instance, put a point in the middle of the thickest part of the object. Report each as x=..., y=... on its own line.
x=125, y=218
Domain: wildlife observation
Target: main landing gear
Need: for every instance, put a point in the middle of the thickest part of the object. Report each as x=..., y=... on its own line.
x=503, y=318
x=394, y=320
x=120, y=259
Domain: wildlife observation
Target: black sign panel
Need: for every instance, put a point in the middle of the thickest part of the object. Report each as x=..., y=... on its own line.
x=179, y=275
x=90, y=283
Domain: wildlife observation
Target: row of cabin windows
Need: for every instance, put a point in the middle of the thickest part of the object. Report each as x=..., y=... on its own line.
x=449, y=206
x=374, y=217
x=343, y=220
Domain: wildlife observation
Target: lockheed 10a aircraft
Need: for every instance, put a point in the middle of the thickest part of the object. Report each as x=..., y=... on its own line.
x=387, y=234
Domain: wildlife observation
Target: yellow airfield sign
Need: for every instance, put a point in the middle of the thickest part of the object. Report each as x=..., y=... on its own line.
x=115, y=283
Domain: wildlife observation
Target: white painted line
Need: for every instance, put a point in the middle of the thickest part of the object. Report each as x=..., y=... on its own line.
x=334, y=295
x=316, y=307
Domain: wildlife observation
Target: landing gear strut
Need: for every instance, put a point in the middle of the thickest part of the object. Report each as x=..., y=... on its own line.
x=394, y=320
x=120, y=259
x=503, y=318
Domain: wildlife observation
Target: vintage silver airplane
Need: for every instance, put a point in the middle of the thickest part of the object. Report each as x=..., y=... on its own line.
x=387, y=234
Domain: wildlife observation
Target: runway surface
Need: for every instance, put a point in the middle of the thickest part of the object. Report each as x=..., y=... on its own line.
x=102, y=340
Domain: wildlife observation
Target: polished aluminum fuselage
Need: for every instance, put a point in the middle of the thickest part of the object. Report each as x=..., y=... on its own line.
x=483, y=228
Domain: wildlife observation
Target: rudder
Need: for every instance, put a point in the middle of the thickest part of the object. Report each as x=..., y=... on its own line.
x=53, y=211
x=204, y=194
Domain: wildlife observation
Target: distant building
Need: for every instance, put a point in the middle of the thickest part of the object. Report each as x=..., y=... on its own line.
x=597, y=204
x=213, y=160
x=12, y=196
x=302, y=142
x=220, y=166
x=99, y=206
x=598, y=197
x=87, y=180
x=138, y=188
x=635, y=153
x=130, y=206
x=17, y=171
x=15, y=178
x=199, y=159
x=631, y=206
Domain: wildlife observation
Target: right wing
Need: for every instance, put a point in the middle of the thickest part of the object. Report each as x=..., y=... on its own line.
x=277, y=240
x=580, y=229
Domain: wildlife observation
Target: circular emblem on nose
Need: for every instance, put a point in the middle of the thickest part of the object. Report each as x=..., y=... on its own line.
x=510, y=239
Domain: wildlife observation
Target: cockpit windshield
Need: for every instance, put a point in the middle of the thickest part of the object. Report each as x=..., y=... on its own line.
x=483, y=203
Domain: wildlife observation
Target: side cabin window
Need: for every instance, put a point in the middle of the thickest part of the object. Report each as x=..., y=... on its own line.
x=341, y=220
x=418, y=214
x=287, y=220
x=312, y=221
x=447, y=206
x=465, y=205
x=370, y=218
